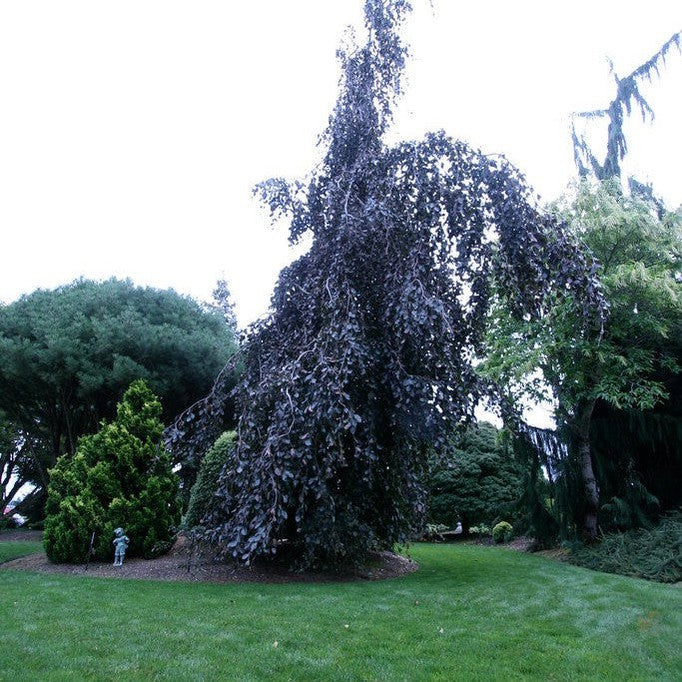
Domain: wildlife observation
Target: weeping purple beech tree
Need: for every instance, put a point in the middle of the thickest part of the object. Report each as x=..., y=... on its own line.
x=366, y=360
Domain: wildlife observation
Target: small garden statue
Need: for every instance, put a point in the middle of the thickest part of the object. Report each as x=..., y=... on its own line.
x=121, y=541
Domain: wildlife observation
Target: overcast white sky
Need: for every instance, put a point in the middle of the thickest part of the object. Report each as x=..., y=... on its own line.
x=131, y=132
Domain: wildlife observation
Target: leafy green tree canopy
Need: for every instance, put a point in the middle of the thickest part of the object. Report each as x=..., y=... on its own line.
x=120, y=476
x=640, y=258
x=67, y=356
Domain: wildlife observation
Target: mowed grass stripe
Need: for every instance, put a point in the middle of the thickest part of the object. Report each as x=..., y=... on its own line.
x=469, y=613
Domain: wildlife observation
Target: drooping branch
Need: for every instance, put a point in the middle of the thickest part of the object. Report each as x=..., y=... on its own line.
x=367, y=359
x=195, y=429
x=627, y=95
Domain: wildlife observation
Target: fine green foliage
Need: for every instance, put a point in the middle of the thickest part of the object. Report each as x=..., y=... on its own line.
x=469, y=613
x=67, y=355
x=623, y=363
x=654, y=554
x=120, y=476
x=638, y=255
x=477, y=481
x=203, y=490
x=502, y=532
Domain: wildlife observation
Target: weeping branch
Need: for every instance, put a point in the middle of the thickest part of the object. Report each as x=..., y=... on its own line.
x=628, y=95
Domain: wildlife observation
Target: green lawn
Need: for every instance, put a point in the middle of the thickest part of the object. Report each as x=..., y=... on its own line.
x=469, y=613
x=11, y=550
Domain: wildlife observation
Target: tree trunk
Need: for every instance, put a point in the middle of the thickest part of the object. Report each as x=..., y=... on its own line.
x=589, y=481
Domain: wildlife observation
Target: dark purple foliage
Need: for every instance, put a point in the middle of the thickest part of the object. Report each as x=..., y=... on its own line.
x=366, y=360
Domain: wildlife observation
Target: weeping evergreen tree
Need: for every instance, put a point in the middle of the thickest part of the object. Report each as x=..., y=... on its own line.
x=367, y=358
x=627, y=95
x=638, y=453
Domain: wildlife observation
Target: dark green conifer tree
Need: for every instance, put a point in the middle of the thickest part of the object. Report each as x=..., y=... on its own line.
x=479, y=482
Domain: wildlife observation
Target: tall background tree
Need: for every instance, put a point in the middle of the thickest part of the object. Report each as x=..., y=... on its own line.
x=367, y=358
x=223, y=304
x=628, y=367
x=479, y=481
x=627, y=94
x=625, y=375
x=67, y=355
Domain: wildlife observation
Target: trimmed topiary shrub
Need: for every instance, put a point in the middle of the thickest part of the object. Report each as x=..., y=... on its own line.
x=206, y=484
x=502, y=532
x=120, y=476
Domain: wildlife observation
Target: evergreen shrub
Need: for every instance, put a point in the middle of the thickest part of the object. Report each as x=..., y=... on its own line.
x=206, y=484
x=502, y=532
x=119, y=476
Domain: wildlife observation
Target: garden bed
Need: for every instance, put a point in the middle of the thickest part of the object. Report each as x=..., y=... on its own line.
x=182, y=564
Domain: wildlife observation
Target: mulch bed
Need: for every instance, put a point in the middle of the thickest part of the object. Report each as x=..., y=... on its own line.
x=521, y=544
x=182, y=564
x=17, y=534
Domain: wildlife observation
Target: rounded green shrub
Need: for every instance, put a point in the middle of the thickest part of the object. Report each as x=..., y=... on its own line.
x=206, y=484
x=502, y=532
x=120, y=476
